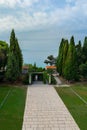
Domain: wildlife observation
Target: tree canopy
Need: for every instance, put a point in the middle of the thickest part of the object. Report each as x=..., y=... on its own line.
x=15, y=59
x=50, y=60
x=3, y=54
x=72, y=59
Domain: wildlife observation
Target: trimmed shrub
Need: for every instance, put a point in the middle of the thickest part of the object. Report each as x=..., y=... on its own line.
x=25, y=79
x=2, y=74
x=53, y=81
x=45, y=77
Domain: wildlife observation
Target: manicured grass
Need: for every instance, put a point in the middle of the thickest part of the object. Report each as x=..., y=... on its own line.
x=75, y=105
x=11, y=112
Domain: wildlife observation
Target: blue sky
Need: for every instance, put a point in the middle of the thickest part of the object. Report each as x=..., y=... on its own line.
x=40, y=24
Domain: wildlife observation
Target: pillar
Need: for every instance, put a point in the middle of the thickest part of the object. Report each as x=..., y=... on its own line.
x=49, y=79
x=29, y=78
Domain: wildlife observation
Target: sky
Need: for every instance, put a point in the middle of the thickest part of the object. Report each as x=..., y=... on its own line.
x=41, y=24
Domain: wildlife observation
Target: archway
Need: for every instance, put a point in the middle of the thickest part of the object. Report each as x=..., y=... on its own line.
x=35, y=76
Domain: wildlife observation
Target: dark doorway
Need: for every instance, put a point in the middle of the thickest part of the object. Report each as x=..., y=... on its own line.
x=37, y=77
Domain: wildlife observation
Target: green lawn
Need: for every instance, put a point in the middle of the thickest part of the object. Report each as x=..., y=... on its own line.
x=75, y=105
x=12, y=109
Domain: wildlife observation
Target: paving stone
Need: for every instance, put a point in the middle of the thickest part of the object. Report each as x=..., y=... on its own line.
x=44, y=110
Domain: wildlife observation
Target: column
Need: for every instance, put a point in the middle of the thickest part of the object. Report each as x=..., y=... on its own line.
x=49, y=79
x=29, y=78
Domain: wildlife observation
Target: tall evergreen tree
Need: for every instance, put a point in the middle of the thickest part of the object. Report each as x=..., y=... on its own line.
x=60, y=57
x=83, y=70
x=79, y=56
x=12, y=42
x=79, y=53
x=3, y=54
x=84, y=50
x=19, y=56
x=70, y=71
x=65, y=50
x=12, y=72
x=14, y=59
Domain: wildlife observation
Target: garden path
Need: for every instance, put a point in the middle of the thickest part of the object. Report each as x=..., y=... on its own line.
x=45, y=110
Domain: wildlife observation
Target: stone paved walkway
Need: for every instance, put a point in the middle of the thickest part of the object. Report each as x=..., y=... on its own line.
x=45, y=110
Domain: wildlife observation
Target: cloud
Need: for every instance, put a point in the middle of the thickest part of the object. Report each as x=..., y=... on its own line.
x=70, y=17
x=26, y=3
x=24, y=21
x=9, y=3
x=42, y=23
x=70, y=1
x=20, y=3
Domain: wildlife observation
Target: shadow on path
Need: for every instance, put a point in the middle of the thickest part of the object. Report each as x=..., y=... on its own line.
x=37, y=83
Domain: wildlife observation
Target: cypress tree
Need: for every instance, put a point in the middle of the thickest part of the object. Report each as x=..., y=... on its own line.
x=19, y=55
x=12, y=72
x=83, y=65
x=83, y=70
x=14, y=59
x=3, y=54
x=84, y=50
x=70, y=71
x=65, y=50
x=12, y=42
x=60, y=57
x=79, y=55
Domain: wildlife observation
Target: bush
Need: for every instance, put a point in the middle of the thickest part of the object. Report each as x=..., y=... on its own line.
x=83, y=70
x=25, y=79
x=45, y=78
x=53, y=81
x=2, y=74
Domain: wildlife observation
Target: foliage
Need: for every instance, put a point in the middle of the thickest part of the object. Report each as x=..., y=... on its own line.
x=3, y=54
x=59, y=59
x=25, y=79
x=83, y=70
x=79, y=53
x=15, y=60
x=12, y=42
x=19, y=55
x=12, y=72
x=70, y=58
x=45, y=77
x=70, y=72
x=84, y=50
x=65, y=50
x=62, y=56
x=2, y=76
x=53, y=81
x=31, y=69
x=50, y=60
x=34, y=68
x=40, y=69
x=50, y=71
